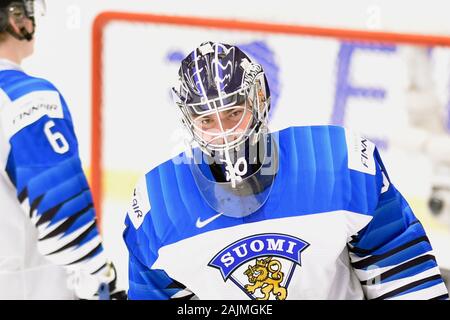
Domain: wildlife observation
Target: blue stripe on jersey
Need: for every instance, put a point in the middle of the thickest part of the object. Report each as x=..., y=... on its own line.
x=169, y=192
x=340, y=197
x=44, y=178
x=423, y=286
x=391, y=218
x=32, y=152
x=324, y=165
x=189, y=200
x=411, y=271
x=393, y=237
x=149, y=284
x=149, y=238
x=91, y=235
x=60, y=193
x=404, y=255
x=96, y=252
x=9, y=78
x=75, y=205
x=413, y=232
x=84, y=219
x=16, y=83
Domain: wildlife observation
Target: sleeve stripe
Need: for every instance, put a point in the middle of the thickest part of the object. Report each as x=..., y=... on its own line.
x=35, y=204
x=378, y=289
x=69, y=256
x=27, y=85
x=400, y=268
x=365, y=252
x=23, y=195
x=66, y=225
x=373, y=259
x=93, y=264
x=409, y=286
x=77, y=240
x=375, y=271
x=48, y=246
x=46, y=228
x=103, y=266
x=423, y=292
x=176, y=284
x=88, y=255
x=49, y=214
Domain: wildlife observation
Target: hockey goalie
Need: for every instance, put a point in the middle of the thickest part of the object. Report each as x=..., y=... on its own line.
x=245, y=213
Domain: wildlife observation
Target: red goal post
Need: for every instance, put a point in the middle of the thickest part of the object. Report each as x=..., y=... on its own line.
x=104, y=18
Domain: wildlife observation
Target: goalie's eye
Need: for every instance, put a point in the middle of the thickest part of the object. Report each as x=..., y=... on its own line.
x=206, y=122
x=235, y=115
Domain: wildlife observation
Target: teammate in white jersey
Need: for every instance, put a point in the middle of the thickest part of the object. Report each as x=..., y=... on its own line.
x=303, y=213
x=50, y=247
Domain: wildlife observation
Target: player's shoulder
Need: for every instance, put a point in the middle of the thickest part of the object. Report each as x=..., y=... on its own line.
x=25, y=99
x=336, y=142
x=317, y=138
x=147, y=188
x=16, y=84
x=166, y=167
x=314, y=131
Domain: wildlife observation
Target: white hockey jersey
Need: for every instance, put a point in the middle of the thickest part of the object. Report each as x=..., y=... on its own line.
x=47, y=220
x=333, y=227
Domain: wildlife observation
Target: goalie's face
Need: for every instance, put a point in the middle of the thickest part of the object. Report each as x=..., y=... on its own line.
x=223, y=97
x=224, y=123
x=223, y=127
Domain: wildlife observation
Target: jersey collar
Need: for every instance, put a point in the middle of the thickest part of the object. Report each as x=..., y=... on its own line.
x=6, y=64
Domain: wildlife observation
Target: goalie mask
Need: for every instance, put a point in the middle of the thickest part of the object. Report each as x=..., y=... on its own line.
x=224, y=100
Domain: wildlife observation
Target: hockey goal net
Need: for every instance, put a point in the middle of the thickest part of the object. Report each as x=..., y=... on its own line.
x=360, y=79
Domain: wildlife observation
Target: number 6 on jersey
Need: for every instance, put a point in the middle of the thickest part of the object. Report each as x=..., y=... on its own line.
x=56, y=139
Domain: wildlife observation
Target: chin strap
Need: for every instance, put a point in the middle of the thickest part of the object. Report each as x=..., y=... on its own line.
x=23, y=34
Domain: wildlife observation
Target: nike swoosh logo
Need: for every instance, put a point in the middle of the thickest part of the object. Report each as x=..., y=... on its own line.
x=200, y=224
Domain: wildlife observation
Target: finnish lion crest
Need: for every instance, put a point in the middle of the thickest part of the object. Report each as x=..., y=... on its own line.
x=266, y=276
x=261, y=265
